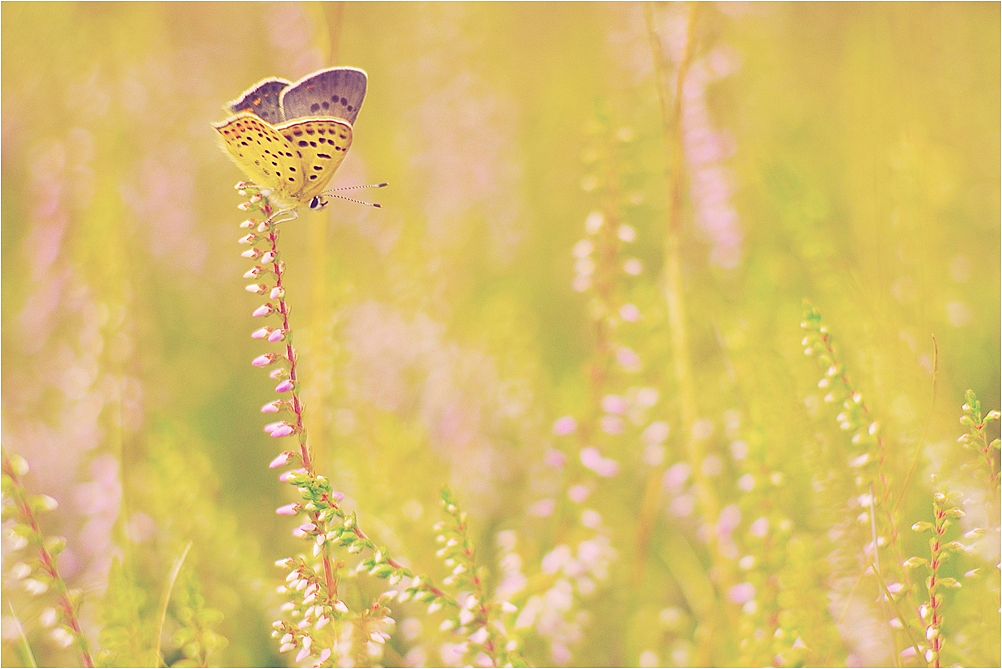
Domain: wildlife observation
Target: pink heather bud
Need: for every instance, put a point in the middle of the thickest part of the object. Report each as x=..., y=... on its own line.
x=759, y=528
x=655, y=433
x=284, y=431
x=287, y=510
x=253, y=272
x=286, y=477
x=283, y=459
x=629, y=313
x=303, y=653
x=628, y=359
x=272, y=407
x=284, y=386
x=593, y=460
x=612, y=424
x=564, y=425
x=251, y=253
x=338, y=496
x=263, y=310
x=244, y=206
x=633, y=267
x=594, y=222
x=262, y=333
x=263, y=227
x=263, y=360
x=555, y=458
x=270, y=427
x=676, y=476
x=277, y=293
x=256, y=288
x=248, y=224
x=543, y=508
x=248, y=239
x=269, y=256
x=583, y=248
x=741, y=593
x=277, y=373
x=730, y=518
x=614, y=404
x=278, y=334
x=308, y=527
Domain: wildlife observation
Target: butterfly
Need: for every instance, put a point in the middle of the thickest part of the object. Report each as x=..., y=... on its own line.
x=290, y=138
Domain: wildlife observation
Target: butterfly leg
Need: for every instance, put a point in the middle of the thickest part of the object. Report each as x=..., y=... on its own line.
x=283, y=216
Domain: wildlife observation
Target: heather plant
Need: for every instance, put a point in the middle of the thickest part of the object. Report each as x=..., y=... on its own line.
x=631, y=368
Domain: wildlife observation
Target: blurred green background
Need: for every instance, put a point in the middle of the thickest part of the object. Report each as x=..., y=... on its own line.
x=853, y=160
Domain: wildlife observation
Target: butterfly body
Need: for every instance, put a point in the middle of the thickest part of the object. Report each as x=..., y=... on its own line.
x=290, y=138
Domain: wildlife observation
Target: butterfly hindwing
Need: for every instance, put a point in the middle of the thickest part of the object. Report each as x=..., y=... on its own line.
x=337, y=92
x=263, y=100
x=320, y=145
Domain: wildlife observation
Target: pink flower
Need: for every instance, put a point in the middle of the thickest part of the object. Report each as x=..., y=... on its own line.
x=287, y=510
x=283, y=431
x=759, y=528
x=655, y=433
x=284, y=387
x=280, y=429
x=730, y=517
x=543, y=508
x=593, y=460
x=676, y=476
x=555, y=458
x=629, y=313
x=611, y=424
x=283, y=459
x=614, y=404
x=628, y=359
x=263, y=360
x=741, y=593
x=564, y=425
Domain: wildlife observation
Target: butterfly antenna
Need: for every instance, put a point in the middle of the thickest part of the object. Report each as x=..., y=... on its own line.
x=351, y=199
x=331, y=190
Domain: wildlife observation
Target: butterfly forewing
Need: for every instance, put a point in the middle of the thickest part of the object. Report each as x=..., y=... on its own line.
x=260, y=151
x=333, y=93
x=263, y=100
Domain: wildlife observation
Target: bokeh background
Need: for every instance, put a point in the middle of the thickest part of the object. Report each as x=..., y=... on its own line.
x=848, y=154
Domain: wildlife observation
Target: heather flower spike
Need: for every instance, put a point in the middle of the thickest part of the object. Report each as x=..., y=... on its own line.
x=312, y=585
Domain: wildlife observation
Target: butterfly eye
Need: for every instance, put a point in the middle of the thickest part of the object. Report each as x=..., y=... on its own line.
x=317, y=203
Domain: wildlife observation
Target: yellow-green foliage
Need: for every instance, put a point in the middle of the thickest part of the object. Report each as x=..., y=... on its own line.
x=584, y=307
